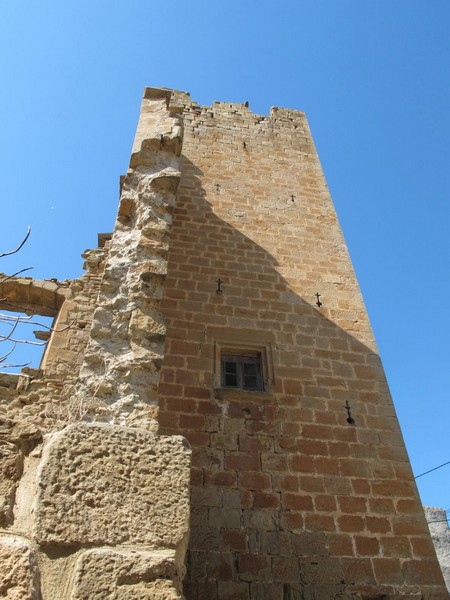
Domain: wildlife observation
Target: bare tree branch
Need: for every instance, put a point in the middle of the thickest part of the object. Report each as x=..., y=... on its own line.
x=15, y=307
x=19, y=246
x=14, y=318
x=27, y=319
x=8, y=337
x=16, y=273
x=2, y=339
x=14, y=365
x=5, y=356
x=10, y=322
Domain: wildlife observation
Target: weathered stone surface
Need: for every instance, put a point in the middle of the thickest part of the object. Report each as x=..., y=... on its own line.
x=120, y=373
x=102, y=484
x=440, y=534
x=19, y=575
x=41, y=297
x=287, y=500
x=38, y=400
x=10, y=472
x=126, y=575
x=25, y=434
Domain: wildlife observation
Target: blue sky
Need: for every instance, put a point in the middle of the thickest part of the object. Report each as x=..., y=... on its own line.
x=373, y=79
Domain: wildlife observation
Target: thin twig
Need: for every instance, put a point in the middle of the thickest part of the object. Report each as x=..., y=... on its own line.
x=18, y=318
x=26, y=320
x=2, y=339
x=14, y=366
x=15, y=307
x=16, y=273
x=19, y=246
x=2, y=358
x=8, y=337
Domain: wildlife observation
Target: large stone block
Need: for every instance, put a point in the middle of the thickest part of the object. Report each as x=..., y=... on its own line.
x=126, y=575
x=11, y=463
x=19, y=575
x=103, y=484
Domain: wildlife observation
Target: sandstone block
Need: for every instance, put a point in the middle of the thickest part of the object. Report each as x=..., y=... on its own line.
x=10, y=472
x=19, y=575
x=103, y=484
x=126, y=575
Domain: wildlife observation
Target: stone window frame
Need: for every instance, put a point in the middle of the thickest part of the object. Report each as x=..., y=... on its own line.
x=239, y=343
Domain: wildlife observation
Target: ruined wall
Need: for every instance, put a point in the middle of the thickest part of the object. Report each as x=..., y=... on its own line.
x=43, y=396
x=440, y=534
x=120, y=374
x=94, y=504
x=299, y=489
x=288, y=499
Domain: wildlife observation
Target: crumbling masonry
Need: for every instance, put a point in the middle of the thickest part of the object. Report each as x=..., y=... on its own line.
x=215, y=420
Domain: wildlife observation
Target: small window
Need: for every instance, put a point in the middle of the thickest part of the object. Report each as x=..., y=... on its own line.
x=242, y=371
x=242, y=360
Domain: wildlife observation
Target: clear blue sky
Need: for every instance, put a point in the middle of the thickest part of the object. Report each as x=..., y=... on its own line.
x=373, y=78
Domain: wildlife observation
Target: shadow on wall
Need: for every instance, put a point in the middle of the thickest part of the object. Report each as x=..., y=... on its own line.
x=287, y=496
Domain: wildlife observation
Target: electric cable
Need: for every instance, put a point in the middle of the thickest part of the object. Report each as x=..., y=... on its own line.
x=431, y=470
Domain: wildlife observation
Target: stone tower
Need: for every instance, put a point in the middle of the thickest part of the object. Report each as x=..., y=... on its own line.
x=300, y=483
x=224, y=309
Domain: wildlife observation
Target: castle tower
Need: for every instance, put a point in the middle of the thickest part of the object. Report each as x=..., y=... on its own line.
x=301, y=486
x=223, y=309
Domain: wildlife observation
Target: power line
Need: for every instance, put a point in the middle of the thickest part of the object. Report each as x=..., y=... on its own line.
x=446, y=511
x=438, y=521
x=431, y=470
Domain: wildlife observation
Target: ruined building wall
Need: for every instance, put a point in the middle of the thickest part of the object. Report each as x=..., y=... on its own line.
x=440, y=534
x=36, y=395
x=299, y=489
x=120, y=373
x=94, y=504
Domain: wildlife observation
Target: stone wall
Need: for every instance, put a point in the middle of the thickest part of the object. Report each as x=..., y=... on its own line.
x=120, y=374
x=226, y=243
x=288, y=498
x=44, y=396
x=93, y=503
x=440, y=534
x=100, y=511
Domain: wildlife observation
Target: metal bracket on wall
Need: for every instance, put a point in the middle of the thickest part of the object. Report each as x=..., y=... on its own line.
x=348, y=408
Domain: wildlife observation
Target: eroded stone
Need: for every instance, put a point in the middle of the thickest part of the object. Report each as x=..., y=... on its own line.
x=19, y=575
x=103, y=484
x=126, y=575
x=440, y=534
x=10, y=471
